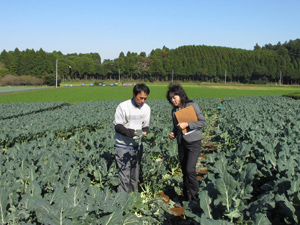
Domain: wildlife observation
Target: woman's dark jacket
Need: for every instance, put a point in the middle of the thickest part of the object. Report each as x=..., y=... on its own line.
x=193, y=136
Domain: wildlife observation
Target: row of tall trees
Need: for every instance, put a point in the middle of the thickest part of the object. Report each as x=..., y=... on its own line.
x=269, y=63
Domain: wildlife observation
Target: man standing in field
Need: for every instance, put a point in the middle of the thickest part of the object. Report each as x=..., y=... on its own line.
x=131, y=116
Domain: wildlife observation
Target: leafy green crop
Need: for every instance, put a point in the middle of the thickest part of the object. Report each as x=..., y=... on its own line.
x=57, y=165
x=256, y=168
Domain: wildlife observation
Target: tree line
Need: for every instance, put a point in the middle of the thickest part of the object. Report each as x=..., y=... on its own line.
x=269, y=63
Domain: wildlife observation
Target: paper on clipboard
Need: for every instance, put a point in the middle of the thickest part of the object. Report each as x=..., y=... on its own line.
x=187, y=114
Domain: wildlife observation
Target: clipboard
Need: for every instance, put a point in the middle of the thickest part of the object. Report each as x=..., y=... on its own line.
x=187, y=114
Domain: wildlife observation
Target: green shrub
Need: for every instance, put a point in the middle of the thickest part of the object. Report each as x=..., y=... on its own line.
x=295, y=95
x=50, y=80
x=21, y=80
x=151, y=79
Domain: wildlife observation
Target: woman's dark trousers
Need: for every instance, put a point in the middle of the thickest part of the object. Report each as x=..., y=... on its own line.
x=188, y=156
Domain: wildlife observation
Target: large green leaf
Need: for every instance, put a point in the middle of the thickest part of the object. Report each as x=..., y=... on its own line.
x=270, y=158
x=287, y=207
x=131, y=219
x=191, y=215
x=206, y=221
x=220, y=164
x=114, y=218
x=263, y=203
x=112, y=201
x=261, y=219
x=4, y=197
x=52, y=197
x=226, y=185
x=62, y=212
x=295, y=185
x=246, y=178
x=205, y=202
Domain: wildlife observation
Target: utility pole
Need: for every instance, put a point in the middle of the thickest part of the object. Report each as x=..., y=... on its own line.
x=119, y=77
x=56, y=74
x=225, y=76
x=280, y=78
x=172, y=75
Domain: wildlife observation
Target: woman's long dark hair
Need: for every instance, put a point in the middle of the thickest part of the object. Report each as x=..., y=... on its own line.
x=177, y=89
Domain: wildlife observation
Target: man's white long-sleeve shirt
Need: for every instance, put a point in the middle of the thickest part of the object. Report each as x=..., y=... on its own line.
x=133, y=117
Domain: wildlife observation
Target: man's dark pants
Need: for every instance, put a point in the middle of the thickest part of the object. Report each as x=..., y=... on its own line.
x=128, y=162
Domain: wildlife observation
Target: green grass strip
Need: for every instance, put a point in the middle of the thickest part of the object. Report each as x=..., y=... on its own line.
x=82, y=94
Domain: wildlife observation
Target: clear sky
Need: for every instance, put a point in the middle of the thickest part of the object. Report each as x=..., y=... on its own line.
x=113, y=26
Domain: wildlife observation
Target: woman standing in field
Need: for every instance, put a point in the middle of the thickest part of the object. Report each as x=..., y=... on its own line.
x=189, y=144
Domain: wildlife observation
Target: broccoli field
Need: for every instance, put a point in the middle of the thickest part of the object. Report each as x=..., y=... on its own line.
x=57, y=164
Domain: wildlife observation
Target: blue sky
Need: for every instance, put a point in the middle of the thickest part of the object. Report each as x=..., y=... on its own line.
x=113, y=26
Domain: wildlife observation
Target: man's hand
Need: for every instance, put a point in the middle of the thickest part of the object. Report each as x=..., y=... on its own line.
x=139, y=133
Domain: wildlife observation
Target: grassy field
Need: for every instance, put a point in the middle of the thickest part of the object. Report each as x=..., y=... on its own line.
x=77, y=94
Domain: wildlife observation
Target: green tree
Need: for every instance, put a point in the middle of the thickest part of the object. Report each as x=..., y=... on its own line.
x=156, y=69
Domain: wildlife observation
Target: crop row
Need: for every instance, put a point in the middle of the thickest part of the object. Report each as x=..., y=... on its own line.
x=62, y=182
x=13, y=110
x=62, y=121
x=31, y=121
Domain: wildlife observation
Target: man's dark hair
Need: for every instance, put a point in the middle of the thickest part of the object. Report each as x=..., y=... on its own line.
x=138, y=88
x=177, y=89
